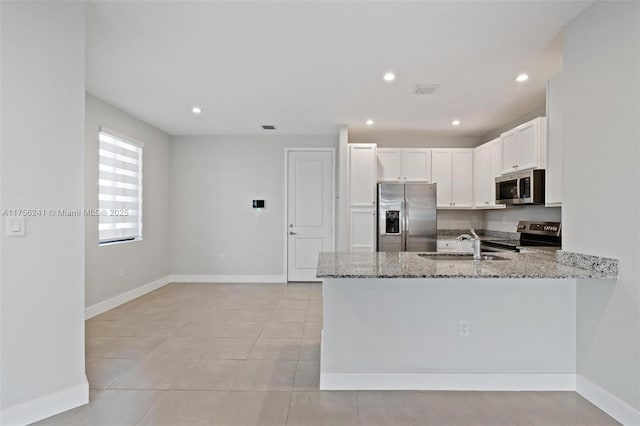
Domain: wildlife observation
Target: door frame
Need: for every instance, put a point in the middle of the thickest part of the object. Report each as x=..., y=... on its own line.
x=286, y=200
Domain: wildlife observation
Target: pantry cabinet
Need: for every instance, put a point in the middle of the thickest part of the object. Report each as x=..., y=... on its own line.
x=362, y=172
x=363, y=229
x=362, y=175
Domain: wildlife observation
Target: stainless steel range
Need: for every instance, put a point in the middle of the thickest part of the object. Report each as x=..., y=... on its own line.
x=532, y=234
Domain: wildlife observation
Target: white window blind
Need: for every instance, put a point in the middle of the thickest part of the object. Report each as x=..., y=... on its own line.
x=120, y=188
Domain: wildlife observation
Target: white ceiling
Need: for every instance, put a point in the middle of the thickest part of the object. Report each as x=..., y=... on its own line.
x=309, y=67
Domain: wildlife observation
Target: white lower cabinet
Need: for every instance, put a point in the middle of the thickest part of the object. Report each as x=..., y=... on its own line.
x=454, y=246
x=363, y=230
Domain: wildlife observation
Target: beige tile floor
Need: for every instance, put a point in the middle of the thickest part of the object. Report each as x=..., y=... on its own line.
x=248, y=354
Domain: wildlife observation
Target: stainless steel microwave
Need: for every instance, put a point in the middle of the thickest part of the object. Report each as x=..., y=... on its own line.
x=520, y=188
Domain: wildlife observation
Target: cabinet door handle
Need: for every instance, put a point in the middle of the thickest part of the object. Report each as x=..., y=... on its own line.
x=293, y=233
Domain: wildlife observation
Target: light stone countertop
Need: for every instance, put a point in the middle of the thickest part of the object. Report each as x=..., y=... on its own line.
x=410, y=265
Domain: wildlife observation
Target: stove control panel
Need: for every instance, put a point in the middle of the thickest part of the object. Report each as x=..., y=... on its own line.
x=540, y=228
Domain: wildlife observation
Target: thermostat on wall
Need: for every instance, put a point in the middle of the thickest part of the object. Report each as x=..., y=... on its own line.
x=258, y=204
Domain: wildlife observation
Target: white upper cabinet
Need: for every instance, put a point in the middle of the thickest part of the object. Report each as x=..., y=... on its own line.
x=417, y=164
x=441, y=173
x=553, y=174
x=389, y=164
x=462, y=178
x=487, y=166
x=404, y=164
x=362, y=175
x=510, y=151
x=525, y=146
x=452, y=170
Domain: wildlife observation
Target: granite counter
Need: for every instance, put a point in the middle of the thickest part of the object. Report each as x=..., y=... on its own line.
x=535, y=265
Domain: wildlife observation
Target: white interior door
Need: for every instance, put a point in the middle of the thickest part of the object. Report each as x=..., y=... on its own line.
x=309, y=211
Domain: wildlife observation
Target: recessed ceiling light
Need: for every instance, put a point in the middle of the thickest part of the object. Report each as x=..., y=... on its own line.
x=369, y=122
x=196, y=110
x=522, y=77
x=389, y=76
x=455, y=122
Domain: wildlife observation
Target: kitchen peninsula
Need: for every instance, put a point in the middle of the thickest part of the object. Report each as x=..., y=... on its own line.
x=403, y=321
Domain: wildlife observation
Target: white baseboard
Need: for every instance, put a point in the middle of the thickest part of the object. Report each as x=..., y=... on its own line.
x=228, y=278
x=607, y=402
x=98, y=308
x=45, y=406
x=447, y=381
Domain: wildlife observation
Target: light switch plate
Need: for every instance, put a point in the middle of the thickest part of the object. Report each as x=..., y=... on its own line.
x=16, y=226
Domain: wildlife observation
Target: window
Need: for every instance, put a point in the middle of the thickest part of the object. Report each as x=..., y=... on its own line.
x=120, y=188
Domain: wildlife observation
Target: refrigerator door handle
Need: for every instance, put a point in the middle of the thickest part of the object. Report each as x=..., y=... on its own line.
x=405, y=222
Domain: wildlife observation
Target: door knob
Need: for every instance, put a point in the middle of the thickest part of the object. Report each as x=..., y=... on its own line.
x=293, y=233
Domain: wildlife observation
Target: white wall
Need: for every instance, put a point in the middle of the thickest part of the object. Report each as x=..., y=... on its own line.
x=342, y=205
x=411, y=139
x=213, y=180
x=507, y=219
x=42, y=167
x=143, y=261
x=601, y=177
x=536, y=111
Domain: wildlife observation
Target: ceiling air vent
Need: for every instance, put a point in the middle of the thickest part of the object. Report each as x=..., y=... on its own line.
x=425, y=89
x=268, y=127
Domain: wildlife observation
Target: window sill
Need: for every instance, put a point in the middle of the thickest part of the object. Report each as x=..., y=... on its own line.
x=113, y=243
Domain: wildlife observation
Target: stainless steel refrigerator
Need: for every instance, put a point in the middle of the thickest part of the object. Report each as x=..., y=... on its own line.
x=407, y=217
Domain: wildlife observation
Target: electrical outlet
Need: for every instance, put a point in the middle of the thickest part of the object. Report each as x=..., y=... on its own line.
x=221, y=258
x=463, y=327
x=121, y=272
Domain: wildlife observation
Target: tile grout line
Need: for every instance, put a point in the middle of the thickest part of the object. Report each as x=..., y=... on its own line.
x=151, y=406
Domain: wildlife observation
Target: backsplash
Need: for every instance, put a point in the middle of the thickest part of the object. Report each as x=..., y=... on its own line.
x=504, y=220
x=507, y=219
x=450, y=234
x=460, y=219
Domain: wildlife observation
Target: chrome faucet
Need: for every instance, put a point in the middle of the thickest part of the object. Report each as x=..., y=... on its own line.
x=475, y=243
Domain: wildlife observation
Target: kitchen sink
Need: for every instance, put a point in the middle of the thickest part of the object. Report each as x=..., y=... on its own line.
x=459, y=256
